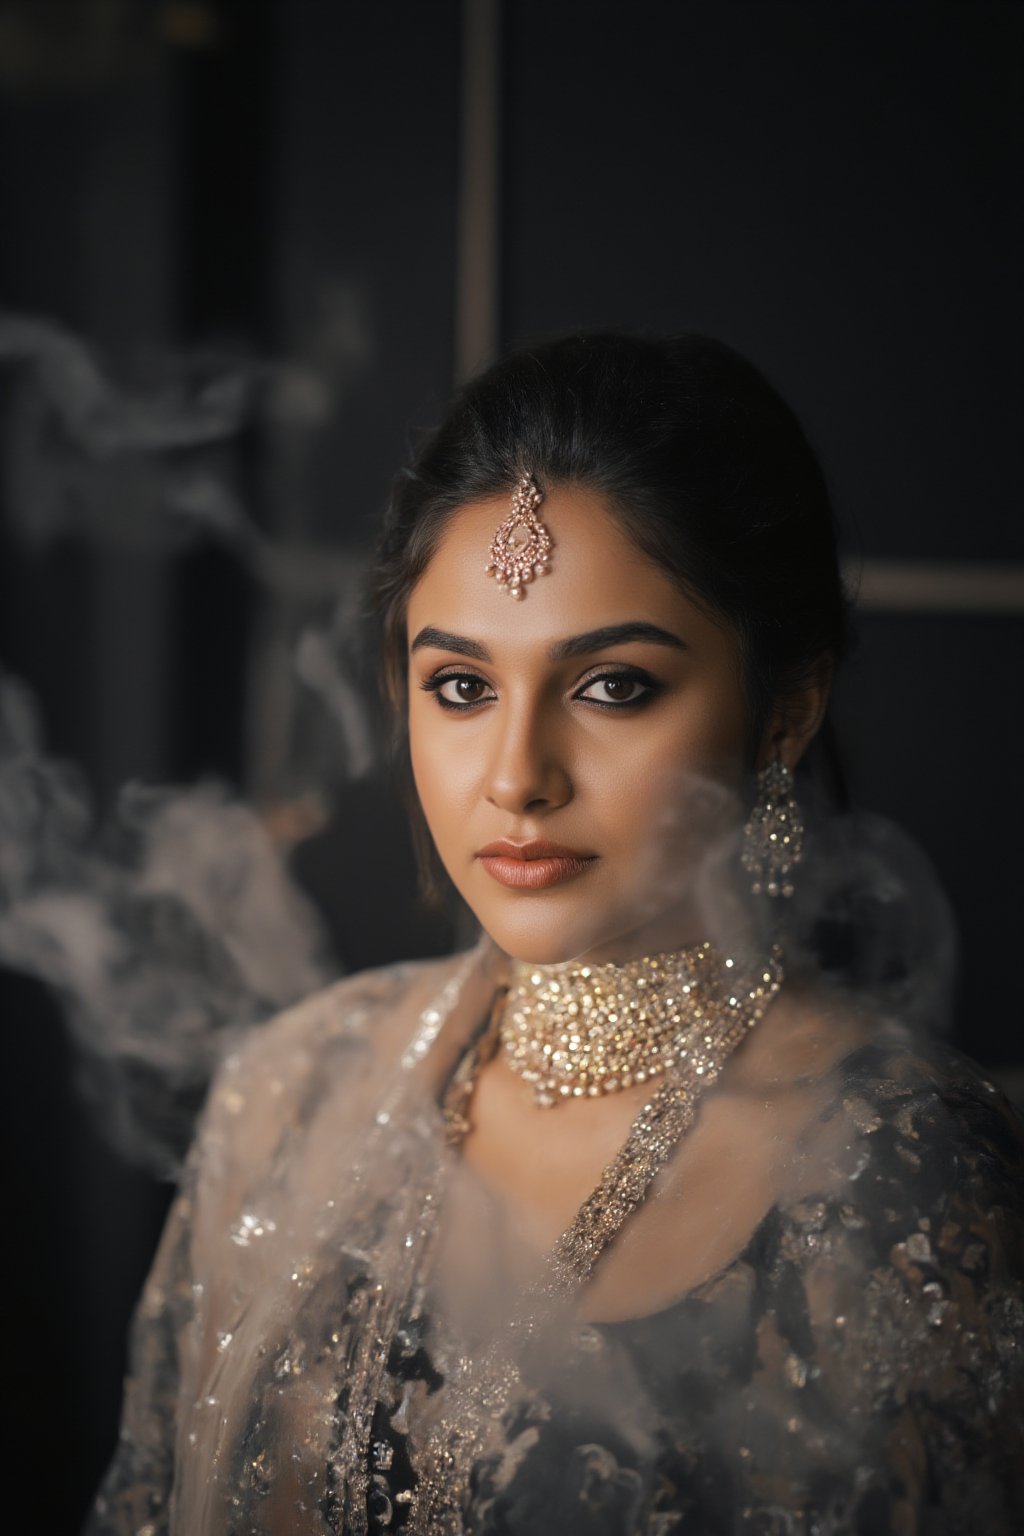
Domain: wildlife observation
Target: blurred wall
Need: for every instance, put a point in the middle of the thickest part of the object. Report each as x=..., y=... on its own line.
x=830, y=189
x=825, y=187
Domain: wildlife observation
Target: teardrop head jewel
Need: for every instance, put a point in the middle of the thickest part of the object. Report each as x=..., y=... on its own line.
x=521, y=545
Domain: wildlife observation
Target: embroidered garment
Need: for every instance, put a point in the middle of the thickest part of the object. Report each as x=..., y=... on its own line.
x=857, y=1367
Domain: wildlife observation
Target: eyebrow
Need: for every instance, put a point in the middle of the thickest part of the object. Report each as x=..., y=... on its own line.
x=562, y=650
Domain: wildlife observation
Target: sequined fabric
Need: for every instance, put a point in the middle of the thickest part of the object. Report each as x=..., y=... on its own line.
x=858, y=1367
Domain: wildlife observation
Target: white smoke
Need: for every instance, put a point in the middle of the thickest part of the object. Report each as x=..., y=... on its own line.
x=173, y=923
x=72, y=437
x=166, y=929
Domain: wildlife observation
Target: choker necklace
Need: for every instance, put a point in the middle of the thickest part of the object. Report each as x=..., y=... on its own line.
x=579, y=1031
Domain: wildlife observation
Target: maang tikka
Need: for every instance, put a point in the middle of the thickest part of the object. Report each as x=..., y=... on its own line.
x=773, y=838
x=521, y=545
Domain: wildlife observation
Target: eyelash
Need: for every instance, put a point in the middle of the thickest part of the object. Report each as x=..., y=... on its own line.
x=436, y=682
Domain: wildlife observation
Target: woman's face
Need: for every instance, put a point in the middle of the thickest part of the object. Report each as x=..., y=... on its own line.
x=597, y=729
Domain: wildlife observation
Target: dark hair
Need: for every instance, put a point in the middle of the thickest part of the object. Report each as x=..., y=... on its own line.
x=702, y=463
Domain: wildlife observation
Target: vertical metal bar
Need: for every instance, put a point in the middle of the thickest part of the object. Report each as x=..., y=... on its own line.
x=477, y=271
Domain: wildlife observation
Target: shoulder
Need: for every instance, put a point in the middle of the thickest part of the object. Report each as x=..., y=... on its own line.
x=892, y=1288
x=930, y=1113
x=915, y=1213
x=325, y=1054
x=904, y=1186
x=891, y=1099
x=367, y=1010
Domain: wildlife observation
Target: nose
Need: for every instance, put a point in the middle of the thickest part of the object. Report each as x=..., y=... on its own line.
x=527, y=770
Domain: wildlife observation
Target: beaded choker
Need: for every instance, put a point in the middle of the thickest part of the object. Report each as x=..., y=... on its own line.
x=579, y=1031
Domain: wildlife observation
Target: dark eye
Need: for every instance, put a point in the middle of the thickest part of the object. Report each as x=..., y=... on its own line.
x=615, y=688
x=462, y=689
x=458, y=690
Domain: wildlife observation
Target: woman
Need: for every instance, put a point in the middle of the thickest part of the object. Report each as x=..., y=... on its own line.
x=630, y=1220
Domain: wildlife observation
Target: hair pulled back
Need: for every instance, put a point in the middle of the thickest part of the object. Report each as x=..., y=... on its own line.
x=699, y=459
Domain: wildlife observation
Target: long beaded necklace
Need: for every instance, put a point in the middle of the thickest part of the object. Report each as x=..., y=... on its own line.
x=723, y=1002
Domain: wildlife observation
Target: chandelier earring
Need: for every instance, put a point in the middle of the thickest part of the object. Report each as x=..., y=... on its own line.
x=773, y=837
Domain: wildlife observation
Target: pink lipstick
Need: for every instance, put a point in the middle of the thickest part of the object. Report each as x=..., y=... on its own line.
x=533, y=866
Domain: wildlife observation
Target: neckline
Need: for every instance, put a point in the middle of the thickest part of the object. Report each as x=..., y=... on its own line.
x=861, y=1056
x=660, y=1315
x=624, y=1183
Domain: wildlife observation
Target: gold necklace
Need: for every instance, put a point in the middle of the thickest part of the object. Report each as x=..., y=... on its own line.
x=483, y=1388
x=580, y=1031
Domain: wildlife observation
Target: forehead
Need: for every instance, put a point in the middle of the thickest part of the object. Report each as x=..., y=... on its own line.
x=597, y=577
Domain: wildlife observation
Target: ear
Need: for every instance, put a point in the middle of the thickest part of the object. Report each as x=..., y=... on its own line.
x=796, y=720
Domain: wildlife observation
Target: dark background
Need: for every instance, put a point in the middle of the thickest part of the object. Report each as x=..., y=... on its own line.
x=833, y=189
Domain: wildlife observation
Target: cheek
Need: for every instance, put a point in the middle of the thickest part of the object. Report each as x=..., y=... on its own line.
x=672, y=796
x=673, y=806
x=425, y=771
x=439, y=768
x=713, y=737
x=688, y=751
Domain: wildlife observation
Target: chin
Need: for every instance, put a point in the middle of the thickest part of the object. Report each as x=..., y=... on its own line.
x=542, y=938
x=602, y=923
x=539, y=938
x=540, y=953
x=540, y=934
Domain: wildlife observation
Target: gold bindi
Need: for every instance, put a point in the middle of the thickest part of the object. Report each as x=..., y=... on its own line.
x=522, y=545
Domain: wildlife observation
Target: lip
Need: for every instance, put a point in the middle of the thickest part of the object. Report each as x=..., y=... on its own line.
x=533, y=866
x=533, y=848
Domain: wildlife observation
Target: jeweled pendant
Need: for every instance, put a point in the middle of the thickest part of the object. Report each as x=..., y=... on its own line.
x=522, y=544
